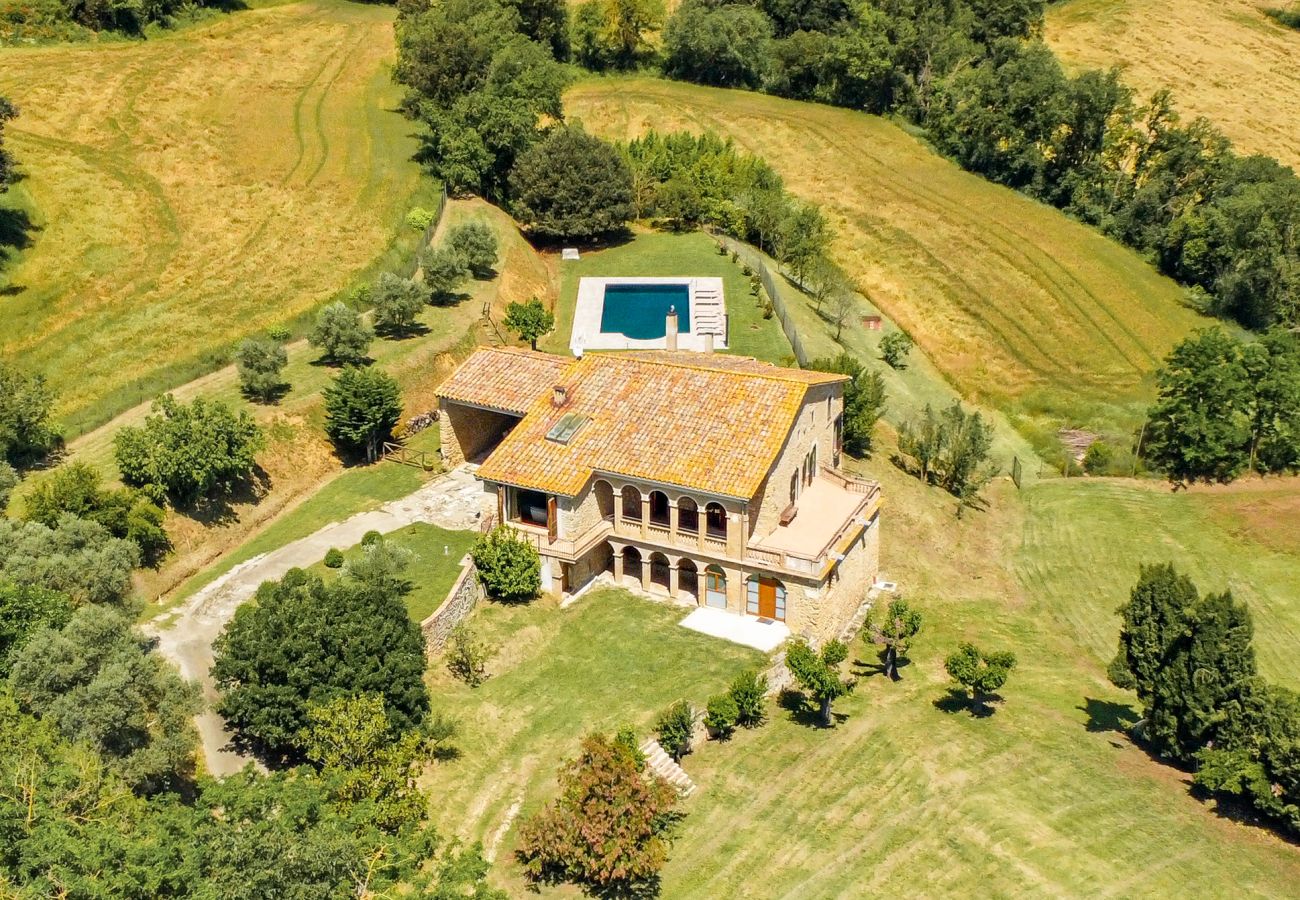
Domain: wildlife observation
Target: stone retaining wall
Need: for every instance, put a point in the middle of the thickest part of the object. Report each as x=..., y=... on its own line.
x=463, y=596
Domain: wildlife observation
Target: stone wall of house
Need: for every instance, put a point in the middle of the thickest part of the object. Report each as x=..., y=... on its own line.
x=466, y=431
x=820, y=614
x=461, y=599
x=579, y=514
x=815, y=427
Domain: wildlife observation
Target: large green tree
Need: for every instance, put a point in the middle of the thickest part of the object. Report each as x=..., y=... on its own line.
x=950, y=449
x=77, y=489
x=864, y=401
x=98, y=683
x=362, y=407
x=26, y=432
x=572, y=186
x=726, y=45
x=24, y=611
x=615, y=34
x=476, y=244
x=397, y=302
x=78, y=558
x=191, y=451
x=304, y=641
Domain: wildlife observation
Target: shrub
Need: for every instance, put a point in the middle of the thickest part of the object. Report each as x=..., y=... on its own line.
x=189, y=450
x=419, y=218
x=508, y=566
x=466, y=656
x=721, y=716
x=1098, y=458
x=9, y=479
x=371, y=537
x=894, y=348
x=279, y=333
x=625, y=740
x=609, y=827
x=334, y=558
x=749, y=691
x=675, y=728
x=26, y=432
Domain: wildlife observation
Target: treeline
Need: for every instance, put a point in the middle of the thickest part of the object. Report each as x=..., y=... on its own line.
x=1191, y=661
x=63, y=18
x=1226, y=407
x=990, y=94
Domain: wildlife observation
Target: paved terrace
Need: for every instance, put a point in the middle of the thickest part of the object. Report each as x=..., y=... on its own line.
x=827, y=510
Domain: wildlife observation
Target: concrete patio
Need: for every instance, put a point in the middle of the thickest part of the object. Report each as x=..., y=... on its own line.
x=761, y=634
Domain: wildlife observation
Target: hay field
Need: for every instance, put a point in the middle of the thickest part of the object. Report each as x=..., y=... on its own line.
x=1017, y=304
x=192, y=188
x=1223, y=59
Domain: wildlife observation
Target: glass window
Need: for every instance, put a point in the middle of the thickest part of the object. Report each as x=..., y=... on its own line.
x=752, y=606
x=780, y=601
x=530, y=507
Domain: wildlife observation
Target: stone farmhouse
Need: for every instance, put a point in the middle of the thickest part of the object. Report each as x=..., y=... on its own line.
x=709, y=478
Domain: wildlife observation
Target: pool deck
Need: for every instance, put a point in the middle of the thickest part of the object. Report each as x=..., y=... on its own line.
x=586, y=334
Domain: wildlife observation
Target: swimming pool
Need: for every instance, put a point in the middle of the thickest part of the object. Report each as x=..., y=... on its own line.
x=639, y=311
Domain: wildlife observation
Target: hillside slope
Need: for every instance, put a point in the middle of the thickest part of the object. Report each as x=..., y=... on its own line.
x=1016, y=303
x=195, y=187
x=1223, y=59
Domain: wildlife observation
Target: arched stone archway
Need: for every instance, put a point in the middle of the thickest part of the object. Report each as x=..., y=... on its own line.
x=659, y=514
x=604, y=499
x=631, y=503
x=688, y=516
x=661, y=572
x=716, y=520
x=688, y=579
x=632, y=564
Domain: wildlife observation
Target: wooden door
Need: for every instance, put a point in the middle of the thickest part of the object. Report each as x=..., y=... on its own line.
x=767, y=598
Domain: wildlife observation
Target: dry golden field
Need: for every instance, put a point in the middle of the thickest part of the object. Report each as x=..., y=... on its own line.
x=1223, y=59
x=192, y=188
x=1016, y=304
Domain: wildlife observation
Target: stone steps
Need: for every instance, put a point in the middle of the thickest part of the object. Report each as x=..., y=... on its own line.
x=662, y=765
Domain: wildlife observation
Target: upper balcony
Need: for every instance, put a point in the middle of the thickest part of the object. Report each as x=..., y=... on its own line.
x=826, y=519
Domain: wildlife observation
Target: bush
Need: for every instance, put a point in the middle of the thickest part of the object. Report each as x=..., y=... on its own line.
x=279, y=333
x=26, y=432
x=476, y=244
x=675, y=729
x=749, y=691
x=190, y=451
x=334, y=558
x=721, y=716
x=625, y=740
x=894, y=348
x=466, y=656
x=9, y=479
x=371, y=537
x=419, y=218
x=609, y=827
x=508, y=566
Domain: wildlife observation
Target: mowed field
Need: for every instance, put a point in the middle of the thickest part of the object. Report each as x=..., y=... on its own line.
x=909, y=795
x=1016, y=304
x=1223, y=59
x=191, y=189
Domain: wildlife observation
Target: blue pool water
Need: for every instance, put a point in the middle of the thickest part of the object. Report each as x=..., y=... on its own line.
x=638, y=311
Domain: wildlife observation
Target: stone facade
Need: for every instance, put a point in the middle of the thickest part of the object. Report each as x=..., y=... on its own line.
x=467, y=431
x=814, y=429
x=464, y=595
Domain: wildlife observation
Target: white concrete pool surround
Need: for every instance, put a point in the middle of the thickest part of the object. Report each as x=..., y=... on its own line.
x=708, y=316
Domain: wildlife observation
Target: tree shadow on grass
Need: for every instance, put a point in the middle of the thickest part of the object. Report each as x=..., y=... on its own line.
x=804, y=711
x=957, y=700
x=271, y=398
x=863, y=668
x=416, y=329
x=16, y=230
x=1104, y=715
x=219, y=509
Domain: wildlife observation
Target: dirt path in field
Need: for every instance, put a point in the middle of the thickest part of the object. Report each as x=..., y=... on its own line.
x=185, y=635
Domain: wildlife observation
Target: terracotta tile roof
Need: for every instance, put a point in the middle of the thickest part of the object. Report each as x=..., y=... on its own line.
x=730, y=363
x=707, y=422
x=504, y=378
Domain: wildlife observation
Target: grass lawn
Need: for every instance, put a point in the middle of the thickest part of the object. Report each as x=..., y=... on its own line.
x=1162, y=44
x=663, y=254
x=555, y=675
x=1017, y=305
x=435, y=563
x=192, y=188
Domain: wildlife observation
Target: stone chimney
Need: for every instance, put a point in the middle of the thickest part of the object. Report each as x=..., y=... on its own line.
x=670, y=329
x=559, y=396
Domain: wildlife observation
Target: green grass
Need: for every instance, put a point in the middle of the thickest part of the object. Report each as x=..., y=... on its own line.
x=1019, y=306
x=195, y=187
x=663, y=254
x=555, y=675
x=435, y=563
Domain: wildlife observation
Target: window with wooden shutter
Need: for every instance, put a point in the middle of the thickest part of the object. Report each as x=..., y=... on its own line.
x=552, y=520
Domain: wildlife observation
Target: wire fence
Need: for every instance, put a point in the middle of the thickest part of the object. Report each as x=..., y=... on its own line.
x=413, y=264
x=770, y=284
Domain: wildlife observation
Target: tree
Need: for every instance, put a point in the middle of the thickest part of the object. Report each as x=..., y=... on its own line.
x=610, y=826
x=727, y=46
x=78, y=558
x=843, y=306
x=509, y=567
x=97, y=682
x=466, y=656
x=894, y=348
x=949, y=449
x=26, y=433
x=572, y=186
x=76, y=489
x=864, y=401
x=260, y=363
x=1156, y=612
x=1273, y=365
x=476, y=244
x=305, y=641
x=614, y=33
x=9, y=479
x=818, y=674
x=893, y=633
x=189, y=450
x=371, y=767
x=825, y=279
x=979, y=674
x=529, y=320
x=397, y=302
x=675, y=728
x=362, y=407
x=805, y=235
x=24, y=611
x=340, y=332
x=7, y=112
x=749, y=691
x=444, y=271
